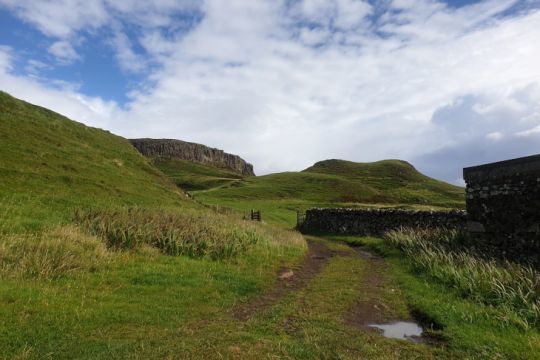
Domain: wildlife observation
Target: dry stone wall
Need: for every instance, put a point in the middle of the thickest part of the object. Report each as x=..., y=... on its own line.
x=502, y=217
x=182, y=150
x=503, y=206
x=377, y=221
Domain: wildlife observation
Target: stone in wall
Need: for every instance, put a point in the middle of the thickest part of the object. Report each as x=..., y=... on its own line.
x=182, y=150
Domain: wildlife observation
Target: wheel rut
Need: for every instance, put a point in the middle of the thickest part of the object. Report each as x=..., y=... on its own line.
x=288, y=279
x=369, y=309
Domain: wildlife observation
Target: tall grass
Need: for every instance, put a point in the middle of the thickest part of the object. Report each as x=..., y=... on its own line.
x=195, y=234
x=50, y=254
x=443, y=255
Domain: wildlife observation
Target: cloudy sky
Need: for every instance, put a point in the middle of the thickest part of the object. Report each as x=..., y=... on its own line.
x=285, y=83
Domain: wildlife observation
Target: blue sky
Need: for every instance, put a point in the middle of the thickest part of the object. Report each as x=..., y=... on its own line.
x=286, y=83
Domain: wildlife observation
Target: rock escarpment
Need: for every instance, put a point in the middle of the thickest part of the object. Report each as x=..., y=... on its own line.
x=183, y=150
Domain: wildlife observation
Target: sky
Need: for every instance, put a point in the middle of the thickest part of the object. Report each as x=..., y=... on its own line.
x=286, y=83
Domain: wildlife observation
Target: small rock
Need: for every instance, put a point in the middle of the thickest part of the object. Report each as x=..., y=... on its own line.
x=286, y=275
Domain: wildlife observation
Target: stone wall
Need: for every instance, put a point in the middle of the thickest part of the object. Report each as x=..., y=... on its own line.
x=376, y=221
x=182, y=150
x=503, y=206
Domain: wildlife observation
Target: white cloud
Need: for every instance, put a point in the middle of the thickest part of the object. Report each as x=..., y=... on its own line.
x=350, y=13
x=510, y=120
x=68, y=20
x=5, y=58
x=63, y=51
x=495, y=136
x=60, y=18
x=529, y=132
x=126, y=57
x=337, y=14
x=33, y=67
x=285, y=86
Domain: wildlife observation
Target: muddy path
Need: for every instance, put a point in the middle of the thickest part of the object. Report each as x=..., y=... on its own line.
x=370, y=308
x=288, y=279
x=376, y=302
x=373, y=308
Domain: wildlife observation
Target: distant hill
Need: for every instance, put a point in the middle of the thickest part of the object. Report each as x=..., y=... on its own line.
x=171, y=149
x=387, y=181
x=394, y=180
x=393, y=170
x=50, y=164
x=341, y=183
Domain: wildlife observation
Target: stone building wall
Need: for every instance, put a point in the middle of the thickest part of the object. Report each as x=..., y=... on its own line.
x=377, y=221
x=503, y=206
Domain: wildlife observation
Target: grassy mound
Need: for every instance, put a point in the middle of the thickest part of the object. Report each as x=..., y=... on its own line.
x=393, y=181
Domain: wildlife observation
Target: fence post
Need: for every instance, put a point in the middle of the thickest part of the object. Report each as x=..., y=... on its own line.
x=300, y=219
x=255, y=215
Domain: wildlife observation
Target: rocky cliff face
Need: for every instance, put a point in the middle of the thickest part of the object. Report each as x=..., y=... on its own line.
x=177, y=149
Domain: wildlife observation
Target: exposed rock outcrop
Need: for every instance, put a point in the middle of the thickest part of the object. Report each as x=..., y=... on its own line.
x=183, y=150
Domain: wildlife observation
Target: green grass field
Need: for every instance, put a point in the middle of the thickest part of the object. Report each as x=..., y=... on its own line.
x=102, y=256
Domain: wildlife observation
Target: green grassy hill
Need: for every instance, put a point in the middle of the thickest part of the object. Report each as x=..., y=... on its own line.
x=192, y=176
x=51, y=164
x=393, y=181
x=334, y=183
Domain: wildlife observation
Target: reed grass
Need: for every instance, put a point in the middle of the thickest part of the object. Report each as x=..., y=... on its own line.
x=443, y=255
x=50, y=254
x=191, y=233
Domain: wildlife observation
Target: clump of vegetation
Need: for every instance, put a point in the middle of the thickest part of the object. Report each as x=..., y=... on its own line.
x=50, y=254
x=194, y=234
x=442, y=255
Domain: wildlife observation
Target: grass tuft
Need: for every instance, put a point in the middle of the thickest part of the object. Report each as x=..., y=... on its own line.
x=51, y=254
x=441, y=254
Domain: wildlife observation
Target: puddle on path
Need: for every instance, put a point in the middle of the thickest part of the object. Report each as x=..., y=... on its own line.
x=400, y=330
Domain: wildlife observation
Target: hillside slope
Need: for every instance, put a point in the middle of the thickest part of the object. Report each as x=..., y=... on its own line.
x=50, y=164
x=96, y=243
x=192, y=176
x=394, y=181
x=338, y=183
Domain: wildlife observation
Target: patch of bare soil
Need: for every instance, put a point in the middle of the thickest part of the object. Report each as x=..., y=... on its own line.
x=288, y=279
x=369, y=309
